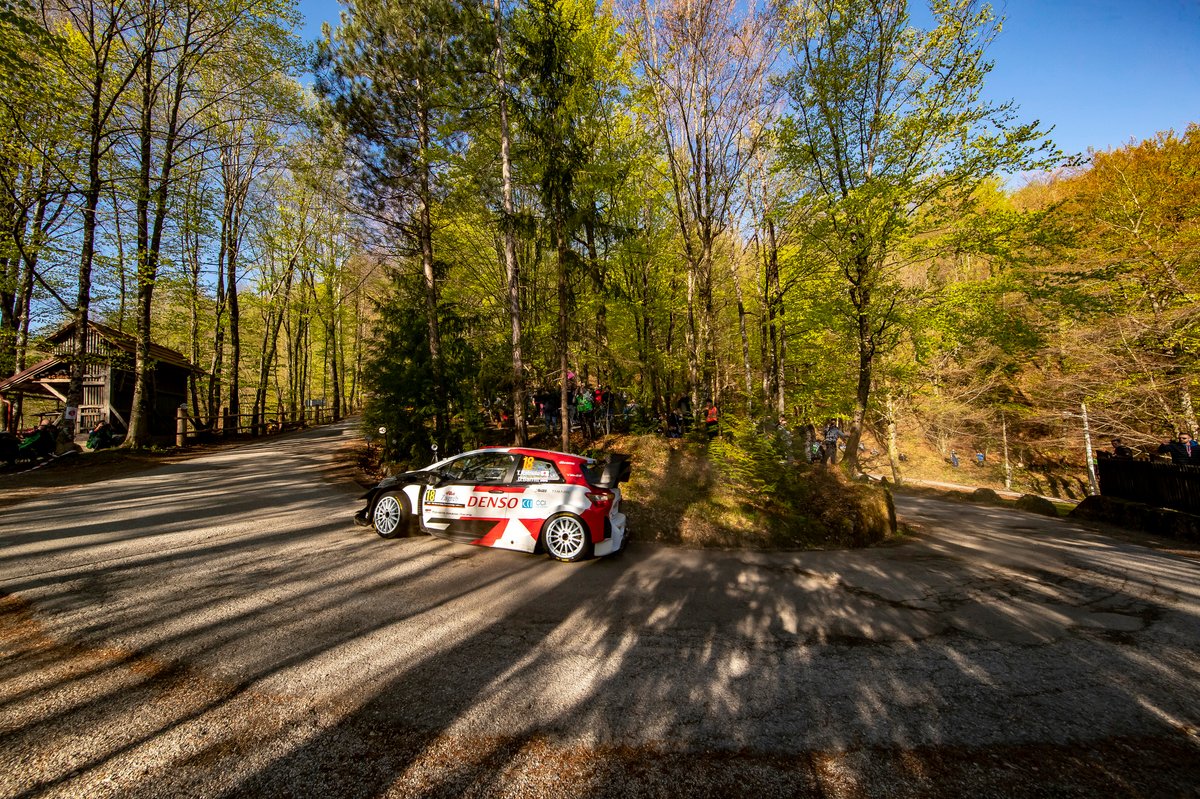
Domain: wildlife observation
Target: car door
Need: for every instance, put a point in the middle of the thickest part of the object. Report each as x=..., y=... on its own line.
x=468, y=503
x=544, y=493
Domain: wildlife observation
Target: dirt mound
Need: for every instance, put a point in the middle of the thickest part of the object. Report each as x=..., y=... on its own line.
x=682, y=493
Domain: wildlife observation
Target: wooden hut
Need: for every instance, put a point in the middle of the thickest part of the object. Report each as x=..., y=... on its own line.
x=108, y=379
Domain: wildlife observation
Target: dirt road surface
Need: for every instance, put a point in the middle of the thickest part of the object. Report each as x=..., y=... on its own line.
x=218, y=628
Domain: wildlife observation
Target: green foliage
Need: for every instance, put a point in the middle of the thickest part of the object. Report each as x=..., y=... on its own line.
x=398, y=376
x=22, y=39
x=748, y=456
x=891, y=146
x=903, y=268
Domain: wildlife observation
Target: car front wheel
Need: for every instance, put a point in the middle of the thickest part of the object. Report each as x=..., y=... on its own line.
x=392, y=516
x=566, y=538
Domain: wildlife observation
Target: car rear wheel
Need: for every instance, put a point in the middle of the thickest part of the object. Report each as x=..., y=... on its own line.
x=392, y=515
x=566, y=538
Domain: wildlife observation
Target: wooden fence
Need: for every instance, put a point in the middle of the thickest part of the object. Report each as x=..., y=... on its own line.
x=231, y=424
x=1160, y=484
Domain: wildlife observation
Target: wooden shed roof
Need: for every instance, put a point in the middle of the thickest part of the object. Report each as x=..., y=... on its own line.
x=125, y=342
x=113, y=337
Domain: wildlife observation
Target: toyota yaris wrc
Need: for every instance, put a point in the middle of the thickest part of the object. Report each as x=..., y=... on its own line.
x=508, y=497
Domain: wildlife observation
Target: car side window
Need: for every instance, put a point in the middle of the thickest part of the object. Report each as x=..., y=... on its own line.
x=537, y=470
x=482, y=469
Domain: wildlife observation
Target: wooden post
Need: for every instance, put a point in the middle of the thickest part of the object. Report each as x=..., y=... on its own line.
x=181, y=422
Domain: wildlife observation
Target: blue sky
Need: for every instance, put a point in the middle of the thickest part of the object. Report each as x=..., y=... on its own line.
x=1102, y=72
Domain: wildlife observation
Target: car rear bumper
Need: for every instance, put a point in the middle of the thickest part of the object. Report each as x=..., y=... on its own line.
x=615, y=542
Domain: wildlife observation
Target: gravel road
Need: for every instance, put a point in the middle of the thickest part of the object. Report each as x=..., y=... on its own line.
x=218, y=628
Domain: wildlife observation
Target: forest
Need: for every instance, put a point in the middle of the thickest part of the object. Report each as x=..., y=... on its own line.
x=450, y=215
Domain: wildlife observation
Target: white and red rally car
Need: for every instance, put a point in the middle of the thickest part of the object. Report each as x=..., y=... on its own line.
x=510, y=498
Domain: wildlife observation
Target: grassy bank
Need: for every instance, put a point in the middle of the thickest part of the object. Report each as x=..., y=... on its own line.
x=741, y=495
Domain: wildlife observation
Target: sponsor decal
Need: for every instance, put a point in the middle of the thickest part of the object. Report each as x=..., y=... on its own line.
x=485, y=501
x=446, y=501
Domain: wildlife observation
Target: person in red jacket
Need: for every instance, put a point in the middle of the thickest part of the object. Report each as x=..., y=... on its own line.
x=710, y=419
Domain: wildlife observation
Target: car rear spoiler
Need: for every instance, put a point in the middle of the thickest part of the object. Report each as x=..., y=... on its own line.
x=616, y=470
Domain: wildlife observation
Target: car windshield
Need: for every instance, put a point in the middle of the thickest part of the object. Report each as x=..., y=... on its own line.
x=480, y=467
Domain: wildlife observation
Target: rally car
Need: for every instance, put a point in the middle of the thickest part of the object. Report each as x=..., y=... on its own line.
x=508, y=497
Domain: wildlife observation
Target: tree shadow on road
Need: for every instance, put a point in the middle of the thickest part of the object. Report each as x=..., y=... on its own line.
x=321, y=661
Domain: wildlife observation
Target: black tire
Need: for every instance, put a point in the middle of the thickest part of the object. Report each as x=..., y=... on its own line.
x=391, y=515
x=566, y=538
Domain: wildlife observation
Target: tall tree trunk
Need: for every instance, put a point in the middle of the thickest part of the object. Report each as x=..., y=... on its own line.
x=866, y=361
x=705, y=333
x=331, y=350
x=122, y=285
x=511, y=266
x=235, y=323
x=140, y=416
x=600, y=345
x=270, y=348
x=1189, y=411
x=560, y=244
x=83, y=293
x=741, y=307
x=10, y=282
x=216, y=374
x=23, y=273
x=691, y=335
x=893, y=447
x=425, y=235
x=192, y=237
x=778, y=337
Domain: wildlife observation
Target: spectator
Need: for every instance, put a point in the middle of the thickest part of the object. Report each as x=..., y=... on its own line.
x=833, y=434
x=1119, y=450
x=783, y=437
x=547, y=403
x=101, y=436
x=812, y=446
x=710, y=418
x=40, y=443
x=585, y=412
x=674, y=425
x=1183, y=449
x=684, y=408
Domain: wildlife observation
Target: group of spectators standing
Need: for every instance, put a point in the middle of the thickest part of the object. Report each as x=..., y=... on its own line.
x=818, y=446
x=678, y=420
x=589, y=407
x=1182, y=449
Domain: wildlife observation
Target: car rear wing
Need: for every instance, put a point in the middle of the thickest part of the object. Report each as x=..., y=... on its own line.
x=614, y=470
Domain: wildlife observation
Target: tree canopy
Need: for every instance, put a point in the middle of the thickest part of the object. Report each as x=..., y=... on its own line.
x=481, y=210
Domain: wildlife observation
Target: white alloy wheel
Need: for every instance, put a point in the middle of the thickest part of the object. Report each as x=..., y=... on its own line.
x=566, y=537
x=390, y=516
